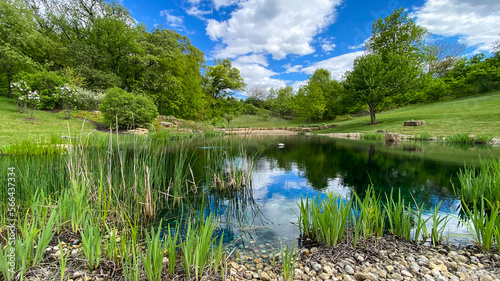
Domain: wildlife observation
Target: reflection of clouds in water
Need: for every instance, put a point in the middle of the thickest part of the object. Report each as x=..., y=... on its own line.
x=336, y=186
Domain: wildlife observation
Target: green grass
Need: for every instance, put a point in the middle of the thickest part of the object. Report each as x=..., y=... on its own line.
x=15, y=127
x=473, y=115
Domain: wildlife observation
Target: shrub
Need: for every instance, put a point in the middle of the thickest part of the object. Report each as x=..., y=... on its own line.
x=88, y=99
x=119, y=106
x=47, y=84
x=249, y=109
x=264, y=116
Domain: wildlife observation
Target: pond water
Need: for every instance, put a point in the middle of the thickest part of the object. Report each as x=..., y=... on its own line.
x=256, y=220
x=264, y=217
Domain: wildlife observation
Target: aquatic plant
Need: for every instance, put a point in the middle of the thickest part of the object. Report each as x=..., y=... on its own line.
x=482, y=221
x=438, y=225
x=372, y=136
x=62, y=262
x=399, y=216
x=288, y=262
x=91, y=243
x=327, y=218
x=152, y=260
x=485, y=183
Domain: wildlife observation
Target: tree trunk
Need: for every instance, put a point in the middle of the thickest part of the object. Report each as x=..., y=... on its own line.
x=372, y=114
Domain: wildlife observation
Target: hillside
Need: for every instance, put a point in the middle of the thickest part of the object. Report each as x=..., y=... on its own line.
x=479, y=115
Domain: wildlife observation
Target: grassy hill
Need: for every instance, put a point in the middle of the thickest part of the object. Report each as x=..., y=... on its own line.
x=15, y=126
x=479, y=115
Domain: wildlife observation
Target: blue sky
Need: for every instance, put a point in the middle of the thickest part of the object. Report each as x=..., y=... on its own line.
x=275, y=43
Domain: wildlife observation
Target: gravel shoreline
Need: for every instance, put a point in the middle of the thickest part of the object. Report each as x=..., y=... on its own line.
x=386, y=258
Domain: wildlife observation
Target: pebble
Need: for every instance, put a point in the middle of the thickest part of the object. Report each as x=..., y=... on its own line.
x=349, y=269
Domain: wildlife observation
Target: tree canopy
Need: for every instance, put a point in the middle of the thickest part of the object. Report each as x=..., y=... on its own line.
x=222, y=79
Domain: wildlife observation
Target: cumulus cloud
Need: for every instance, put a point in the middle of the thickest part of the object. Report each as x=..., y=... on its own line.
x=476, y=22
x=336, y=65
x=276, y=27
x=253, y=70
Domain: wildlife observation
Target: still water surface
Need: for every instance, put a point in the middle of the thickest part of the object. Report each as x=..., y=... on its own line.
x=311, y=166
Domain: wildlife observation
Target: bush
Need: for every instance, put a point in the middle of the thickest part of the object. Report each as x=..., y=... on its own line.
x=87, y=99
x=126, y=109
x=47, y=84
x=249, y=109
x=264, y=116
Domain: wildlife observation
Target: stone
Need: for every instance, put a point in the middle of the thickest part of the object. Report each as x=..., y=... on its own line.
x=405, y=273
x=328, y=269
x=397, y=276
x=138, y=131
x=437, y=264
x=389, y=268
x=392, y=137
x=461, y=259
x=360, y=276
x=316, y=266
x=234, y=265
x=349, y=269
x=360, y=258
x=264, y=276
x=167, y=124
x=382, y=131
x=485, y=278
x=324, y=276
x=414, y=267
x=414, y=123
x=248, y=275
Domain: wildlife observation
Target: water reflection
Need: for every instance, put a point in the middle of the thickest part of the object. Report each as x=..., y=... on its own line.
x=310, y=166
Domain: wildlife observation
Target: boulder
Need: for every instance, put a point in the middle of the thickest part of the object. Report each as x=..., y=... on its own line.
x=167, y=124
x=414, y=123
x=138, y=131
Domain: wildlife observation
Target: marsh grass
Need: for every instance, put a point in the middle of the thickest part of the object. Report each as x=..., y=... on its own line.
x=481, y=182
x=62, y=262
x=372, y=136
x=91, y=243
x=438, y=225
x=482, y=221
x=399, y=216
x=423, y=136
x=152, y=260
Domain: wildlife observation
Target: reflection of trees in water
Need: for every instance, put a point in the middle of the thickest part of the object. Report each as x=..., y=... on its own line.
x=359, y=164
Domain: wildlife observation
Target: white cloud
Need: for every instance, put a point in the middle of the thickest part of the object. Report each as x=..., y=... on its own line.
x=297, y=84
x=277, y=27
x=253, y=70
x=336, y=65
x=197, y=12
x=327, y=47
x=477, y=22
x=224, y=3
x=292, y=69
x=173, y=21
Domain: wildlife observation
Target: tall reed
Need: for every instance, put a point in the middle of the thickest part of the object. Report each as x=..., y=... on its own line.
x=485, y=183
x=152, y=260
x=438, y=225
x=91, y=243
x=288, y=262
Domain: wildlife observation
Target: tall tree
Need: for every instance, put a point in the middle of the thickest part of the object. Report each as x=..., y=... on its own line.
x=398, y=33
x=222, y=79
x=331, y=90
x=283, y=101
x=310, y=102
x=374, y=79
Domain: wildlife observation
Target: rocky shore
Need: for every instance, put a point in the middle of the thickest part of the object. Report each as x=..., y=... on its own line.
x=387, y=258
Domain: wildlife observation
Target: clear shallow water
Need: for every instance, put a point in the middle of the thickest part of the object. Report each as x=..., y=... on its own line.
x=309, y=166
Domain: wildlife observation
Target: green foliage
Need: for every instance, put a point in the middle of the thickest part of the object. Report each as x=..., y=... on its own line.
x=375, y=79
x=47, y=84
x=288, y=262
x=125, y=109
x=482, y=221
x=281, y=101
x=438, y=225
x=91, y=243
x=222, y=79
x=372, y=136
x=264, y=116
x=88, y=99
x=398, y=33
x=249, y=109
x=310, y=102
x=153, y=258
x=483, y=184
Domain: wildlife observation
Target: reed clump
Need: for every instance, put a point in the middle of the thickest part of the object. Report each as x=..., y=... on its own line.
x=480, y=183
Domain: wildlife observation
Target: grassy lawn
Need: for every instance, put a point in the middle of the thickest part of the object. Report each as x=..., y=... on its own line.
x=474, y=115
x=16, y=127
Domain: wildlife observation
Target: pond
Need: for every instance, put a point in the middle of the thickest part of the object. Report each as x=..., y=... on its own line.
x=312, y=166
x=257, y=219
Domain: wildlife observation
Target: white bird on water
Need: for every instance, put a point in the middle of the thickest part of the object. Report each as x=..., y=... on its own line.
x=281, y=145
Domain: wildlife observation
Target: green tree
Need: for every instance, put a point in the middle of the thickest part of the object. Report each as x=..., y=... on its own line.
x=283, y=101
x=398, y=33
x=373, y=80
x=310, y=102
x=222, y=79
x=331, y=90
